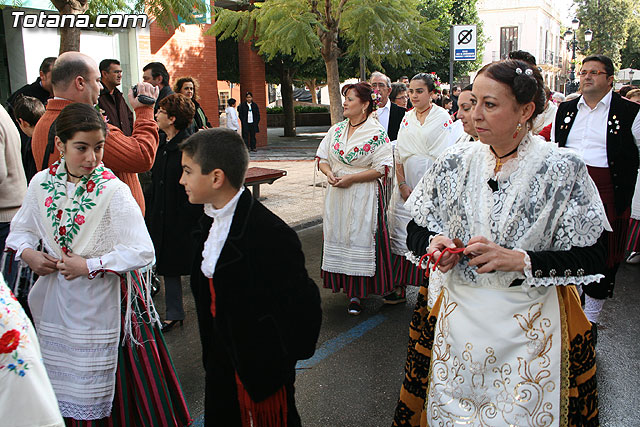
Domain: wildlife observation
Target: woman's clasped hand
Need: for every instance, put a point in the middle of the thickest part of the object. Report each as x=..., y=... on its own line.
x=70, y=266
x=485, y=254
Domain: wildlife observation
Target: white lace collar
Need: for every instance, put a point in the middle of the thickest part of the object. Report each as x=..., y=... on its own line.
x=224, y=211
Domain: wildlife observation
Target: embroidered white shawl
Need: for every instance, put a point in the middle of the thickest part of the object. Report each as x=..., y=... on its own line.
x=429, y=139
x=550, y=203
x=350, y=214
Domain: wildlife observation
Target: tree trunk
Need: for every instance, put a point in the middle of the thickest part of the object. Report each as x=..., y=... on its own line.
x=70, y=36
x=286, y=89
x=69, y=39
x=330, y=52
x=311, y=84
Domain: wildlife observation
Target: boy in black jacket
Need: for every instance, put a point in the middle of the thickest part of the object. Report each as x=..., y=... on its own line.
x=258, y=310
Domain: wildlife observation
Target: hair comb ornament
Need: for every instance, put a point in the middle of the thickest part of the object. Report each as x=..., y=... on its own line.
x=528, y=72
x=518, y=70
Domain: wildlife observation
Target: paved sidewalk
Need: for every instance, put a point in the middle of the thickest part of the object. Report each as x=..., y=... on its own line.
x=292, y=197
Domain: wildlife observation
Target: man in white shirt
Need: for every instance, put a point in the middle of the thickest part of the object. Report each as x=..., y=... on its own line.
x=389, y=114
x=605, y=129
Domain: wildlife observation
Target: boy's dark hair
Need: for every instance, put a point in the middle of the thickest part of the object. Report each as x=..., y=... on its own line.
x=248, y=94
x=29, y=109
x=180, y=107
x=219, y=148
x=78, y=117
x=47, y=63
x=106, y=63
x=158, y=69
x=231, y=102
x=604, y=60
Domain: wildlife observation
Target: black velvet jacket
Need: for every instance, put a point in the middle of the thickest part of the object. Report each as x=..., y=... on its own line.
x=575, y=261
x=268, y=311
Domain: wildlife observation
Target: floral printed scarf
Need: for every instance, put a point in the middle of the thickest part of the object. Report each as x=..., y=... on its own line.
x=72, y=220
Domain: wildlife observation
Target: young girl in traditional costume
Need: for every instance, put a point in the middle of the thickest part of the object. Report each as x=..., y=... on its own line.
x=95, y=321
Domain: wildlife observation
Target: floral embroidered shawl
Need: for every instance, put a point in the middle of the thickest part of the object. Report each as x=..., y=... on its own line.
x=70, y=222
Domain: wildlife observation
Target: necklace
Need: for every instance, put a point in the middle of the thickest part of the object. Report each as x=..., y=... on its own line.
x=72, y=175
x=499, y=162
x=425, y=110
x=358, y=124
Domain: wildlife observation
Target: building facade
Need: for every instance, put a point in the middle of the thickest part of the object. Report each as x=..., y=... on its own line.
x=531, y=25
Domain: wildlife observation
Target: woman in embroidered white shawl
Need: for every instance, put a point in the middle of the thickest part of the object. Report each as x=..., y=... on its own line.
x=97, y=330
x=506, y=342
x=355, y=155
x=425, y=132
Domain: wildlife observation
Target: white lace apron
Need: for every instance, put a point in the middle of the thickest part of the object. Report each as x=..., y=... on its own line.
x=350, y=214
x=496, y=356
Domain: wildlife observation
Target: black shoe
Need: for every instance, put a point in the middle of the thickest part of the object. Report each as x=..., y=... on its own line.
x=354, y=308
x=168, y=325
x=255, y=150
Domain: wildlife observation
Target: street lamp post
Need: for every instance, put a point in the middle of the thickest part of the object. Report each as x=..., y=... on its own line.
x=631, y=76
x=572, y=45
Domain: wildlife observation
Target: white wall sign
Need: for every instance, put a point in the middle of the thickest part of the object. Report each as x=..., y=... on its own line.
x=464, y=42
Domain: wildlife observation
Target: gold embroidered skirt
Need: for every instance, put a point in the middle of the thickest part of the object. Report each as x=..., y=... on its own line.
x=489, y=357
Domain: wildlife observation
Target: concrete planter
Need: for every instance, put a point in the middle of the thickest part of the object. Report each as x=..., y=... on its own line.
x=302, y=119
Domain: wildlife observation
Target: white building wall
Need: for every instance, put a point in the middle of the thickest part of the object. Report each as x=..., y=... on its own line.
x=536, y=20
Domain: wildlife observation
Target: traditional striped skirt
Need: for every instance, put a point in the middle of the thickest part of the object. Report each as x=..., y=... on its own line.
x=148, y=392
x=406, y=273
x=362, y=286
x=633, y=241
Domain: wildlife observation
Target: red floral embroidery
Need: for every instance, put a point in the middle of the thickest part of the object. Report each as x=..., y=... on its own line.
x=341, y=152
x=79, y=220
x=375, y=138
x=65, y=250
x=9, y=341
x=53, y=168
x=48, y=201
x=366, y=147
x=107, y=175
x=62, y=230
x=387, y=139
x=356, y=149
x=336, y=146
x=90, y=185
x=59, y=214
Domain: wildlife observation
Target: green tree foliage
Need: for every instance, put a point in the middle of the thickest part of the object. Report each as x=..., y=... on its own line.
x=609, y=20
x=445, y=13
x=630, y=55
x=304, y=29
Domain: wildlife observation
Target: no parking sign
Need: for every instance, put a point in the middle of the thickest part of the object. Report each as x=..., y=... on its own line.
x=464, y=42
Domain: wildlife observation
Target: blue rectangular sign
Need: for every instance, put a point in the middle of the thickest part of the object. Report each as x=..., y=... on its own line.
x=465, y=55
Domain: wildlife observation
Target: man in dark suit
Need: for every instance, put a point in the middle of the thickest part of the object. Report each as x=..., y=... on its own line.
x=111, y=100
x=249, y=116
x=605, y=129
x=258, y=310
x=389, y=114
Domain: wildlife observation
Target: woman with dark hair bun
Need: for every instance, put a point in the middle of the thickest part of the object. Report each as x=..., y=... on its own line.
x=355, y=155
x=425, y=132
x=506, y=228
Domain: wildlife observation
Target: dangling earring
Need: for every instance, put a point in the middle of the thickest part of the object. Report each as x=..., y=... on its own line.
x=61, y=155
x=518, y=129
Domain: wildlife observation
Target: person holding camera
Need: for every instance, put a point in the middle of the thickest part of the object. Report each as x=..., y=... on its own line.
x=75, y=78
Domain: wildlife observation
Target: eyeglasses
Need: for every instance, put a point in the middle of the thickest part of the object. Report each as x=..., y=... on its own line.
x=402, y=97
x=592, y=73
x=379, y=85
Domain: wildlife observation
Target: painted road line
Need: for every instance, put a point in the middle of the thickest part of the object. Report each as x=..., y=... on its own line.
x=327, y=348
x=336, y=344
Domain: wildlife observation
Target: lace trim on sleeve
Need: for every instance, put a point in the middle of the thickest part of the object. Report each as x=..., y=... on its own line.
x=413, y=259
x=535, y=282
x=528, y=272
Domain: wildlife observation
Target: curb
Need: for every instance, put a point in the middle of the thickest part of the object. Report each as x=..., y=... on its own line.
x=308, y=223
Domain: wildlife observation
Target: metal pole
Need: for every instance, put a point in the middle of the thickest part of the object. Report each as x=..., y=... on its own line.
x=451, y=55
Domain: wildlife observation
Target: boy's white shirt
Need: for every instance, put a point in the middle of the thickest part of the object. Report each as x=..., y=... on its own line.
x=218, y=233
